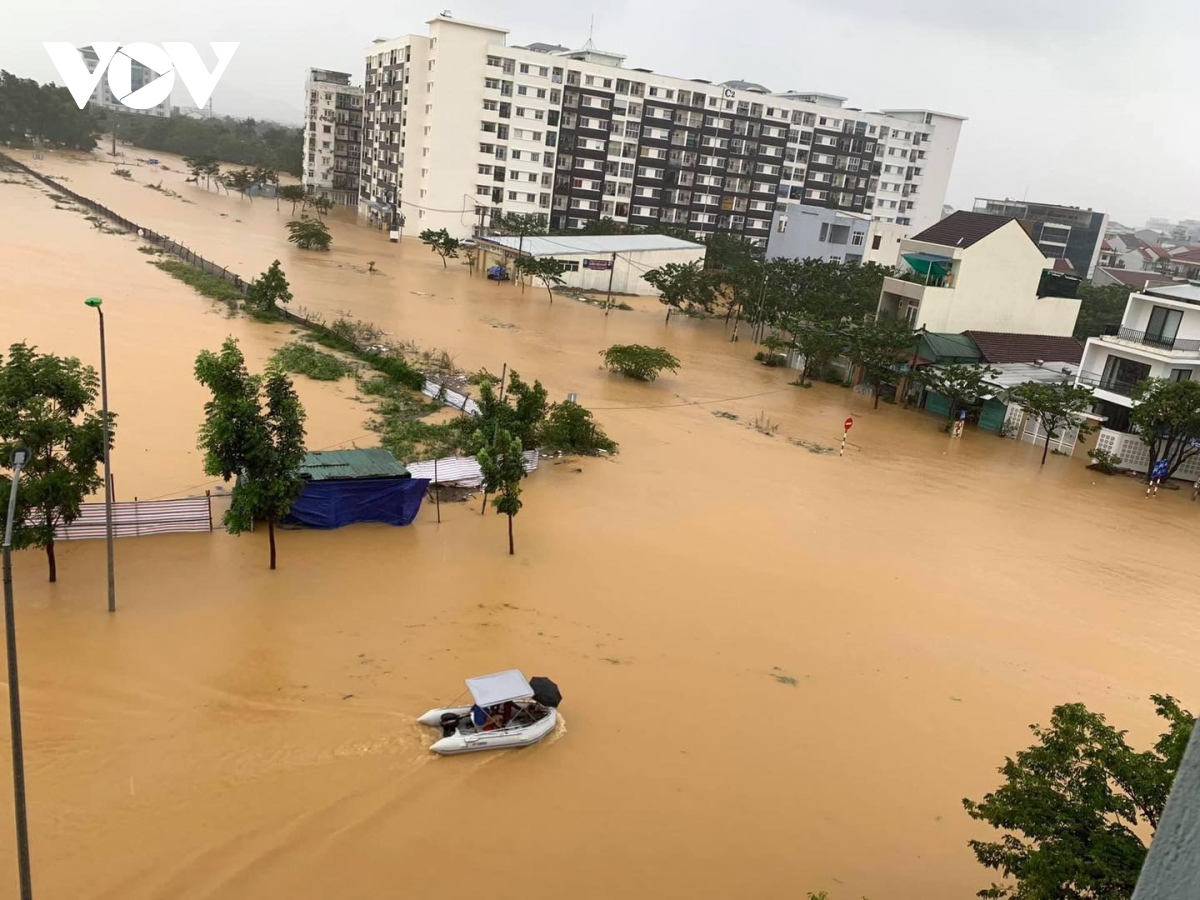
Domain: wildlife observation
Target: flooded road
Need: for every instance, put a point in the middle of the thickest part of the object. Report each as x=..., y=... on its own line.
x=783, y=669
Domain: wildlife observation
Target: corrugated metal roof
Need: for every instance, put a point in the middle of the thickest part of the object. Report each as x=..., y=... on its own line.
x=948, y=346
x=329, y=465
x=599, y=244
x=1188, y=293
x=1012, y=374
x=461, y=471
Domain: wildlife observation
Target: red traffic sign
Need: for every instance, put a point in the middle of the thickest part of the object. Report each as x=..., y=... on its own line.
x=849, y=423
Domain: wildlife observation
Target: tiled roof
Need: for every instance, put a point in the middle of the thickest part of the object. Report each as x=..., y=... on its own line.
x=1188, y=256
x=1134, y=278
x=1063, y=265
x=1002, y=347
x=962, y=229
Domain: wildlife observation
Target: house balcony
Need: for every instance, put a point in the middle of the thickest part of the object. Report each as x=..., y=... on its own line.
x=1173, y=347
x=1122, y=389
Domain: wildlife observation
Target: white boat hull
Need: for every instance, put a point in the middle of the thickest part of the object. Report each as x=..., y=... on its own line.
x=468, y=740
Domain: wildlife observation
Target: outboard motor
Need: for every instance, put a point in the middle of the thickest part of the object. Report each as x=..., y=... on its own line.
x=450, y=724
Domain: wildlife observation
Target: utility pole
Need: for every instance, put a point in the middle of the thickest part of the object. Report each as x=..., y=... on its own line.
x=95, y=302
x=394, y=230
x=612, y=269
x=114, y=138
x=14, y=690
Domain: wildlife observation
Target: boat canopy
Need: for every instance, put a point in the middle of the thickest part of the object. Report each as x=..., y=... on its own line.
x=489, y=690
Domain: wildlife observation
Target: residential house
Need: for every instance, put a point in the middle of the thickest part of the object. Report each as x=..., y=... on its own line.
x=1158, y=337
x=1132, y=278
x=982, y=272
x=799, y=231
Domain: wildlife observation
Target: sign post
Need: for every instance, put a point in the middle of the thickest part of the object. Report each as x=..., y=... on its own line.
x=1157, y=474
x=958, y=425
x=846, y=426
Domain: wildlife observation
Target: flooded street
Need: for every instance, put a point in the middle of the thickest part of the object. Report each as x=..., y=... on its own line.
x=782, y=669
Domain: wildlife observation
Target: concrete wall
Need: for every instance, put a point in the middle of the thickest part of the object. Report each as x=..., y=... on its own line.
x=1172, y=867
x=1139, y=307
x=627, y=275
x=801, y=237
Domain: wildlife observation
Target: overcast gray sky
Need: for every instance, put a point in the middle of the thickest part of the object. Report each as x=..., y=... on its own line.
x=1081, y=102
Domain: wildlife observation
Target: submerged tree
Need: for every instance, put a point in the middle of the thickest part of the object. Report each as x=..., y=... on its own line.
x=546, y=268
x=441, y=243
x=639, y=361
x=1075, y=807
x=503, y=467
x=1166, y=415
x=879, y=347
x=959, y=383
x=1055, y=407
x=268, y=289
x=293, y=194
x=683, y=287
x=309, y=234
x=253, y=430
x=48, y=407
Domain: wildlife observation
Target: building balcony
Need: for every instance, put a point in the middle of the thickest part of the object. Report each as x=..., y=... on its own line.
x=1175, y=347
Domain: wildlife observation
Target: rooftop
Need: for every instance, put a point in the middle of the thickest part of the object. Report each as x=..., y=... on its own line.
x=962, y=229
x=1135, y=279
x=337, y=465
x=598, y=244
x=1012, y=374
x=1188, y=292
x=1003, y=347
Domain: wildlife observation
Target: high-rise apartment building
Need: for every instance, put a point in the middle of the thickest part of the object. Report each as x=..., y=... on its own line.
x=332, y=136
x=465, y=127
x=139, y=77
x=1062, y=232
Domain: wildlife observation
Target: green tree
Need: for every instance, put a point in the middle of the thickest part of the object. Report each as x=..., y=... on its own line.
x=817, y=340
x=546, y=268
x=241, y=180
x=879, y=347
x=1073, y=807
x=292, y=193
x=197, y=166
x=309, y=234
x=683, y=286
x=639, y=361
x=322, y=205
x=29, y=111
x=529, y=410
x=268, y=289
x=1099, y=305
x=254, y=430
x=1056, y=407
x=48, y=406
x=569, y=429
x=960, y=383
x=520, y=224
x=441, y=243
x=503, y=467
x=1166, y=416
x=212, y=172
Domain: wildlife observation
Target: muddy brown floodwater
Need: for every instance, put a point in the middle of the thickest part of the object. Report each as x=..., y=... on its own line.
x=783, y=669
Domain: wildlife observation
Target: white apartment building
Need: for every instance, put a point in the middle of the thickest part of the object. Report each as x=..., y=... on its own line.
x=139, y=77
x=332, y=136
x=465, y=127
x=1157, y=337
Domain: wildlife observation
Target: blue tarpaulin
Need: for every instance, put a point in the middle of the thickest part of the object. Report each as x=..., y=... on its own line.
x=334, y=503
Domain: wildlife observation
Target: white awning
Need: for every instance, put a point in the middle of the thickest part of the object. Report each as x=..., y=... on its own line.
x=488, y=690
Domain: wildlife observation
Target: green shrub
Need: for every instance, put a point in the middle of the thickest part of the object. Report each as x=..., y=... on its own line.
x=569, y=428
x=305, y=359
x=202, y=282
x=1108, y=463
x=396, y=369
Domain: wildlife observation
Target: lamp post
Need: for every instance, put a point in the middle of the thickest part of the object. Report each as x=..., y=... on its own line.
x=95, y=302
x=14, y=691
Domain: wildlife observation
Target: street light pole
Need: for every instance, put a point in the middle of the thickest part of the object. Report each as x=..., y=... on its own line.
x=14, y=690
x=95, y=302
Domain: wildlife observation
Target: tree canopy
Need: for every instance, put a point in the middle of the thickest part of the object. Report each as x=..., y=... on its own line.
x=639, y=361
x=546, y=268
x=48, y=407
x=441, y=243
x=1099, y=305
x=1056, y=407
x=879, y=347
x=961, y=383
x=503, y=468
x=1166, y=416
x=244, y=142
x=684, y=287
x=309, y=234
x=29, y=110
x=1075, y=806
x=267, y=290
x=253, y=429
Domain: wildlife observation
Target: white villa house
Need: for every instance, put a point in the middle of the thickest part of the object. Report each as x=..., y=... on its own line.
x=1158, y=337
x=974, y=271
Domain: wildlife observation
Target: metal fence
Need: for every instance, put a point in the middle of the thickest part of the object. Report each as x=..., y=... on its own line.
x=135, y=518
x=146, y=234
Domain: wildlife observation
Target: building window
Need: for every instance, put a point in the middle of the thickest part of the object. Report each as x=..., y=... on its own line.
x=1181, y=374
